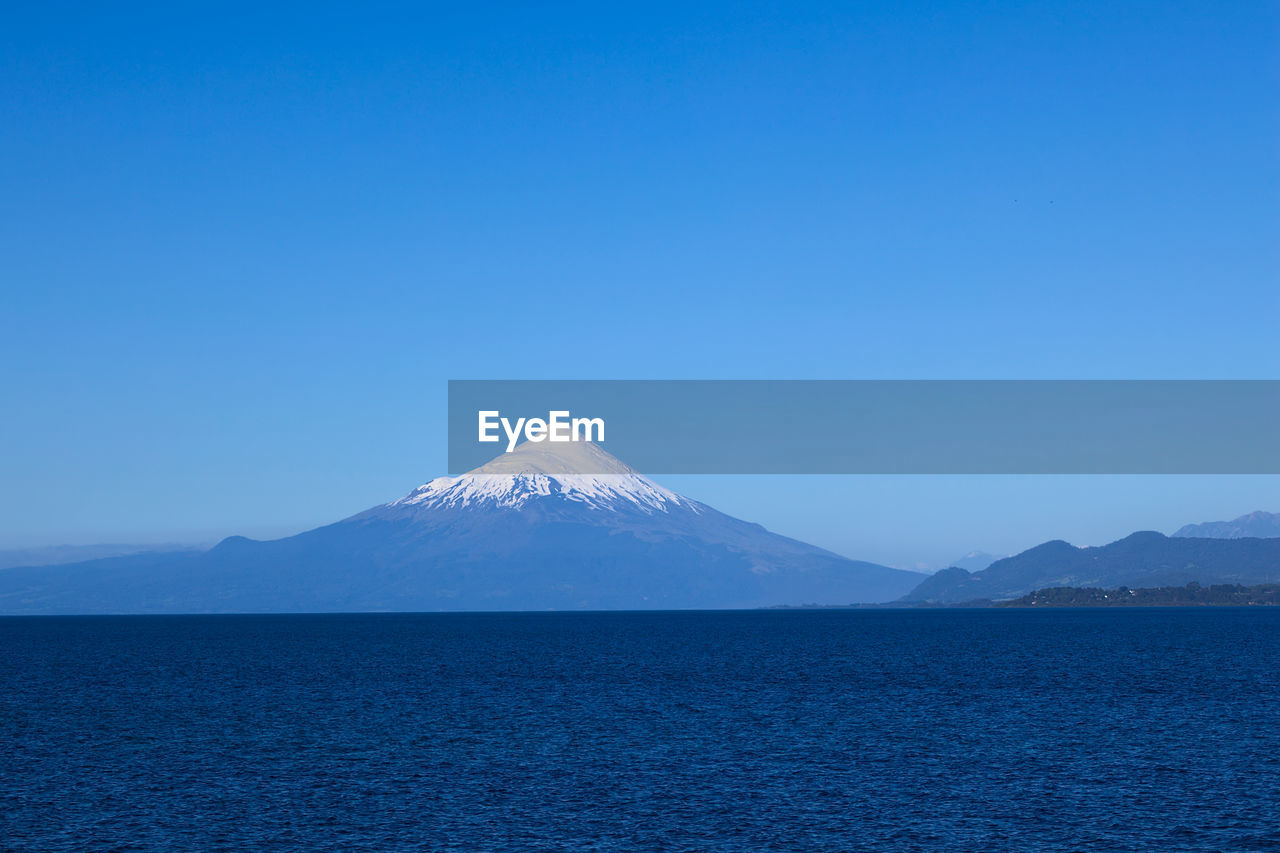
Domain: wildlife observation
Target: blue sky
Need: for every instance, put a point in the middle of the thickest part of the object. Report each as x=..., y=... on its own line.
x=244, y=249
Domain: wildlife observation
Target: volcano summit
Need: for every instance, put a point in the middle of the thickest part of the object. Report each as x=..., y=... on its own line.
x=527, y=531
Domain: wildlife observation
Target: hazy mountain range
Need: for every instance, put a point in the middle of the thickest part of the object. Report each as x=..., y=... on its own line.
x=1262, y=525
x=518, y=533
x=974, y=561
x=52, y=555
x=531, y=531
x=1145, y=559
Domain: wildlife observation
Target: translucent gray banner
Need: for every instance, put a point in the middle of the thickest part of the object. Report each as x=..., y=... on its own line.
x=871, y=426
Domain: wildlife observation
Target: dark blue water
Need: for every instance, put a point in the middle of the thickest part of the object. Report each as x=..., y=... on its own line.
x=933, y=731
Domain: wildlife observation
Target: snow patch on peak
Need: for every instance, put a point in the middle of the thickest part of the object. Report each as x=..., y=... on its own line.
x=578, y=472
x=596, y=491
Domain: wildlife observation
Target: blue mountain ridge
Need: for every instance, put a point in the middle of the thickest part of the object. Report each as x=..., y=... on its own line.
x=527, y=532
x=1143, y=559
x=1260, y=525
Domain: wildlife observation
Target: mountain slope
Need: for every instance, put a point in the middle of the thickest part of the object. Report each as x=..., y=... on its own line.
x=1144, y=559
x=974, y=561
x=1262, y=525
x=524, y=532
x=52, y=555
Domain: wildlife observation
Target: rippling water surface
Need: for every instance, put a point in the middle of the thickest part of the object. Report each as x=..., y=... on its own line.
x=821, y=730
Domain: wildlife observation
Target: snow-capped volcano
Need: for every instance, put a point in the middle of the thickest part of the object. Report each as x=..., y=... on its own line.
x=577, y=472
x=560, y=527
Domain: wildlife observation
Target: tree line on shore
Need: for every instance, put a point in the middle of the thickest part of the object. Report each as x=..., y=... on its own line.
x=1175, y=596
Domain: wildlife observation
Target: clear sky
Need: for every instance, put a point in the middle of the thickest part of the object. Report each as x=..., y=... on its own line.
x=243, y=249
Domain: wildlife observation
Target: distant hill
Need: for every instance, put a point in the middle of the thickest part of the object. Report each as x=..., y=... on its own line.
x=974, y=561
x=1263, y=525
x=1145, y=559
x=54, y=555
x=1193, y=594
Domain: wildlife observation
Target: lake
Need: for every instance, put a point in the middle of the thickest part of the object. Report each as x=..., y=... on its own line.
x=966, y=730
